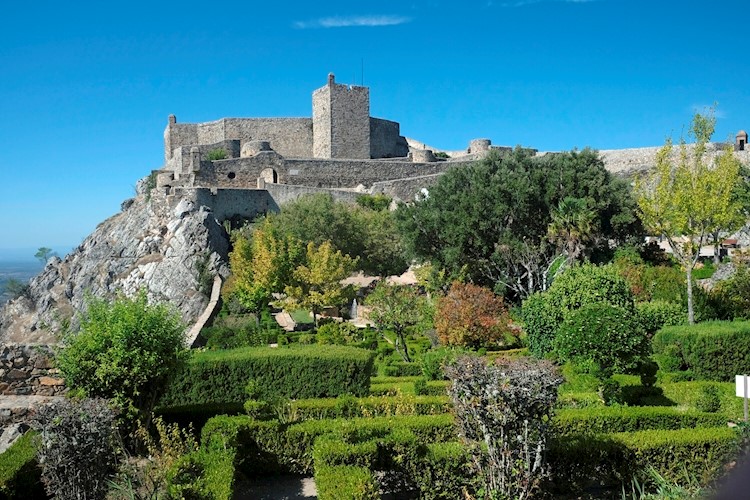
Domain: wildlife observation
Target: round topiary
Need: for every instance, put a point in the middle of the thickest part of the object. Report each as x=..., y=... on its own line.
x=602, y=336
x=590, y=284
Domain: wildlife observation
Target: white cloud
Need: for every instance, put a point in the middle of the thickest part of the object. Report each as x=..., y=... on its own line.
x=350, y=21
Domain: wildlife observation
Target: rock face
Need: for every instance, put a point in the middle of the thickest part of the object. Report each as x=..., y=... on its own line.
x=146, y=246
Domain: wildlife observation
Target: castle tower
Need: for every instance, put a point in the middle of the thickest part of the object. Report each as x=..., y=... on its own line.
x=341, y=121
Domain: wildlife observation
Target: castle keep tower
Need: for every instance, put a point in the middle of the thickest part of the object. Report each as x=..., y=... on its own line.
x=341, y=121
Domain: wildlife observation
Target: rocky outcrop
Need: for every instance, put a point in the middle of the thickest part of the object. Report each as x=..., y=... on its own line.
x=148, y=245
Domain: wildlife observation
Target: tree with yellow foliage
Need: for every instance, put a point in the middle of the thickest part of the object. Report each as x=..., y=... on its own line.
x=687, y=197
x=317, y=282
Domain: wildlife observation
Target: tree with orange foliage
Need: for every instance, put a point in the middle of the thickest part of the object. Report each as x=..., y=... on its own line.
x=473, y=316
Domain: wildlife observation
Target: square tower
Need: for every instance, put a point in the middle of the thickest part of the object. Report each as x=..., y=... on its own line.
x=341, y=121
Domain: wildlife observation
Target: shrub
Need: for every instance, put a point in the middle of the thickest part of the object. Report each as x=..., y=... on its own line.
x=473, y=316
x=219, y=377
x=345, y=482
x=605, y=337
x=19, y=471
x=708, y=400
x=713, y=350
x=734, y=294
x=433, y=363
x=339, y=333
x=216, y=154
x=659, y=313
x=540, y=319
x=610, y=392
x=77, y=453
x=580, y=460
x=514, y=397
x=590, y=284
x=630, y=419
x=125, y=350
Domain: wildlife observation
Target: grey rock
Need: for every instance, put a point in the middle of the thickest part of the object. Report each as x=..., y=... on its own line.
x=146, y=246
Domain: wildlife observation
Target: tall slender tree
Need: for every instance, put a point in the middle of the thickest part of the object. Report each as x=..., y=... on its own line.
x=689, y=196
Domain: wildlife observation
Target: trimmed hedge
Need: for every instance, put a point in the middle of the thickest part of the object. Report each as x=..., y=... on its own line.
x=629, y=419
x=581, y=460
x=372, y=406
x=715, y=350
x=220, y=377
x=345, y=482
x=19, y=470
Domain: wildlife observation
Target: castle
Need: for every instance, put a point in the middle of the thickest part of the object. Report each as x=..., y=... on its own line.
x=341, y=150
x=249, y=166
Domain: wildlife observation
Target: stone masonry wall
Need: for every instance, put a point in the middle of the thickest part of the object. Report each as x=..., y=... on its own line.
x=28, y=370
x=386, y=140
x=341, y=121
x=243, y=172
x=289, y=136
x=405, y=189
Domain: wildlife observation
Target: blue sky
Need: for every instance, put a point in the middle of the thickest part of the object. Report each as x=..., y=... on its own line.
x=86, y=88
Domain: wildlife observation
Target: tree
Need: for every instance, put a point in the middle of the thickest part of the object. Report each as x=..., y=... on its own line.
x=490, y=220
x=317, y=282
x=396, y=308
x=44, y=254
x=572, y=226
x=263, y=265
x=472, y=316
x=125, y=350
x=365, y=230
x=686, y=199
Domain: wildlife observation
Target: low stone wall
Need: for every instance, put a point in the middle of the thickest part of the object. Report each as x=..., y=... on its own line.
x=28, y=370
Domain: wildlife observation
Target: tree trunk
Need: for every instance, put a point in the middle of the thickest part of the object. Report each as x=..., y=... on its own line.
x=691, y=316
x=404, y=349
x=717, y=250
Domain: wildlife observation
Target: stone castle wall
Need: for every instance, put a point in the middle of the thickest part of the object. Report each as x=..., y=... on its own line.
x=291, y=137
x=386, y=140
x=28, y=370
x=241, y=173
x=631, y=161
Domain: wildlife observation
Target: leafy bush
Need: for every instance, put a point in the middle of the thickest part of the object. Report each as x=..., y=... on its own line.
x=216, y=154
x=345, y=482
x=734, y=294
x=709, y=400
x=659, y=313
x=125, y=350
x=604, y=337
x=716, y=350
x=578, y=461
x=630, y=419
x=589, y=284
x=19, y=470
x=77, y=453
x=375, y=202
x=473, y=316
x=339, y=333
x=514, y=397
x=219, y=377
x=399, y=369
x=540, y=320
x=575, y=288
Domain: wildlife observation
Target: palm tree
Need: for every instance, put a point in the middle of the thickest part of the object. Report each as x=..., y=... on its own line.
x=572, y=226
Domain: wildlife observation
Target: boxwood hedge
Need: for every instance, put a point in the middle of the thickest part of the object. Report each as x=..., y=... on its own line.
x=218, y=378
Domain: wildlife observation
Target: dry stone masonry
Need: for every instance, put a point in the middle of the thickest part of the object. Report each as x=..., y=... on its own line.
x=28, y=370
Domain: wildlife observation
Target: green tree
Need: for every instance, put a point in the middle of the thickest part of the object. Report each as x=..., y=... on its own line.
x=687, y=197
x=490, y=220
x=396, y=308
x=317, y=282
x=365, y=231
x=125, y=350
x=573, y=224
x=44, y=254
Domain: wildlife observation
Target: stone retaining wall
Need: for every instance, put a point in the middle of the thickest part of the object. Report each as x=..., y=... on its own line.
x=28, y=370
